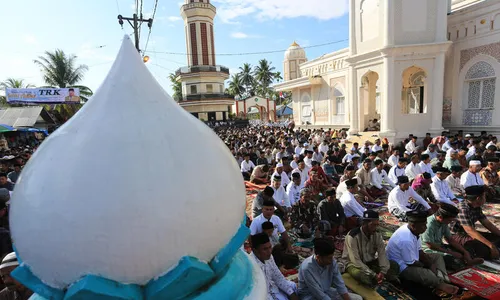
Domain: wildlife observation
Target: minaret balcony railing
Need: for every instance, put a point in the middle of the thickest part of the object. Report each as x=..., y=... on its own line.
x=198, y=69
x=199, y=5
x=196, y=97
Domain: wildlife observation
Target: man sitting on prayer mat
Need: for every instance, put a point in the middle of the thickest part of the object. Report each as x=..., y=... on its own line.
x=403, y=199
x=453, y=181
x=422, y=185
x=472, y=177
x=266, y=194
x=398, y=170
x=268, y=215
x=13, y=289
x=280, y=172
x=380, y=180
x=278, y=288
x=350, y=173
x=440, y=188
x=479, y=244
x=260, y=174
x=417, y=267
x=437, y=229
x=303, y=217
x=331, y=210
x=364, y=253
x=319, y=276
x=352, y=209
x=293, y=189
x=491, y=180
x=247, y=167
x=280, y=195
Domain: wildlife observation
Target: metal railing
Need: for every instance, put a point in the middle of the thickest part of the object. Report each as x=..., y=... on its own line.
x=197, y=69
x=197, y=97
x=199, y=5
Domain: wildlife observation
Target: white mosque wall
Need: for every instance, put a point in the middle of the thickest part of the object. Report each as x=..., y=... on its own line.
x=475, y=32
x=367, y=23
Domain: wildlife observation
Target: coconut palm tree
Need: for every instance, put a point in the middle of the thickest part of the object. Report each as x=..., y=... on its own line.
x=247, y=78
x=12, y=83
x=264, y=75
x=176, y=87
x=60, y=70
x=277, y=76
x=236, y=87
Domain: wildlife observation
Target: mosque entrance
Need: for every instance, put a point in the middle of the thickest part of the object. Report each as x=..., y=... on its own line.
x=369, y=115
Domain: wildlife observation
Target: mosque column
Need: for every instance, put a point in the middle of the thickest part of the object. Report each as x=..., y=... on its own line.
x=388, y=97
x=353, y=102
x=436, y=105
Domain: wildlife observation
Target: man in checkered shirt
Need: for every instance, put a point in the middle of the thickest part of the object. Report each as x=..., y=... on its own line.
x=478, y=244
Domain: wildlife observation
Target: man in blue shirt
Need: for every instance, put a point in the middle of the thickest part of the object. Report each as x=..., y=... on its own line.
x=318, y=273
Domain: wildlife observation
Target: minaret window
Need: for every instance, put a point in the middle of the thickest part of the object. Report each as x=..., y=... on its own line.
x=210, y=89
x=194, y=43
x=193, y=89
x=204, y=43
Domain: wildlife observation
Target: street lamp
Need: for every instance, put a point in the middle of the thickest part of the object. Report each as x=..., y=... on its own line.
x=145, y=59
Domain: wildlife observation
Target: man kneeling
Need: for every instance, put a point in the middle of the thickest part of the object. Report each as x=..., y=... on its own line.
x=364, y=253
x=405, y=248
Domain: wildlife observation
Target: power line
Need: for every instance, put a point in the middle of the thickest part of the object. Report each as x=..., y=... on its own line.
x=162, y=67
x=149, y=33
x=255, y=53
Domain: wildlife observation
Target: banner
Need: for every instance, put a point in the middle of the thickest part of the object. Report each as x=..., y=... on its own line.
x=43, y=95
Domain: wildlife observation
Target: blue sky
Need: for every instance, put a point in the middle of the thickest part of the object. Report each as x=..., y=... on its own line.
x=90, y=30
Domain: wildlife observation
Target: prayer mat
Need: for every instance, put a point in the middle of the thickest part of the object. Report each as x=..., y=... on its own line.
x=386, y=231
x=389, y=291
x=253, y=186
x=248, y=209
x=482, y=283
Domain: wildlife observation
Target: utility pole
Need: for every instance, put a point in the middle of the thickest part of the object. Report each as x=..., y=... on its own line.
x=135, y=26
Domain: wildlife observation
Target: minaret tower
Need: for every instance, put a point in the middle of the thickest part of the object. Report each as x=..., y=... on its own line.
x=202, y=80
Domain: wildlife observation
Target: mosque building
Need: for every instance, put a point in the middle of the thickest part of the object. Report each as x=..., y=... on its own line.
x=416, y=66
x=202, y=80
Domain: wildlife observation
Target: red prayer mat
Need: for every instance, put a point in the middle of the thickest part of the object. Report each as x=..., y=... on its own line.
x=482, y=283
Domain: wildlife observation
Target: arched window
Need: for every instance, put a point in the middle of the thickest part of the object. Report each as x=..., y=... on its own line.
x=480, y=81
x=338, y=94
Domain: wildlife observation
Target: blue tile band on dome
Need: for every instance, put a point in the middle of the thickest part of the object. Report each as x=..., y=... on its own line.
x=23, y=274
x=222, y=259
x=187, y=277
x=235, y=283
x=94, y=287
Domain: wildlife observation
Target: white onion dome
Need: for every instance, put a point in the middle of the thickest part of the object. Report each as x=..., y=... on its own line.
x=295, y=52
x=126, y=188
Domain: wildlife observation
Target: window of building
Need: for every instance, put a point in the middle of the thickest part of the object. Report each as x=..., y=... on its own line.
x=193, y=89
x=210, y=89
x=413, y=91
x=480, y=81
x=339, y=97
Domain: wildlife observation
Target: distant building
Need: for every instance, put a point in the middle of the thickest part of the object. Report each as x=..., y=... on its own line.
x=202, y=80
x=417, y=66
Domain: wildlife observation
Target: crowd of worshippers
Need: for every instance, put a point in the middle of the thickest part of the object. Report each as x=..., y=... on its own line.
x=322, y=188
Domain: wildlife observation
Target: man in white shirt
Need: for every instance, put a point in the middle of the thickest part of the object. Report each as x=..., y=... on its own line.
x=399, y=200
x=294, y=163
x=424, y=269
x=352, y=208
x=453, y=181
x=472, y=177
x=493, y=142
x=280, y=195
x=394, y=158
x=303, y=171
x=282, y=153
x=247, y=167
x=472, y=149
x=376, y=147
x=268, y=215
x=348, y=157
x=412, y=145
x=379, y=178
x=317, y=156
x=308, y=159
x=431, y=151
x=440, y=188
x=278, y=288
x=280, y=172
x=293, y=189
x=323, y=147
x=304, y=149
x=413, y=168
x=298, y=149
x=398, y=170
x=425, y=164
x=447, y=145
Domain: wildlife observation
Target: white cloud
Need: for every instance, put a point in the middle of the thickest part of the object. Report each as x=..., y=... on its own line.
x=228, y=10
x=30, y=39
x=242, y=35
x=174, y=18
